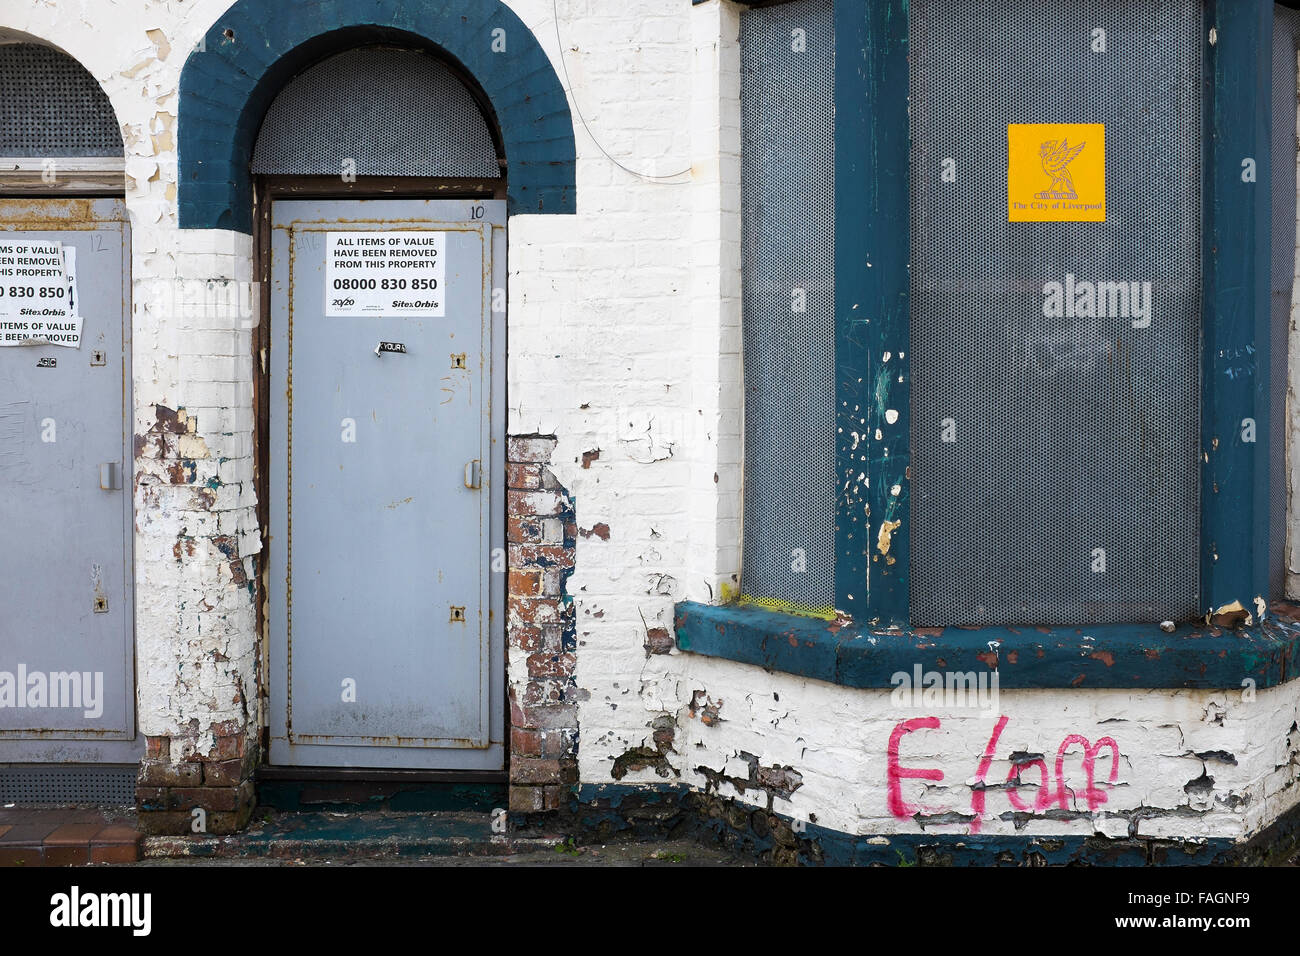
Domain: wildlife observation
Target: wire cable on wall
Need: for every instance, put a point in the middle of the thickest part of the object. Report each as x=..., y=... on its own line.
x=671, y=179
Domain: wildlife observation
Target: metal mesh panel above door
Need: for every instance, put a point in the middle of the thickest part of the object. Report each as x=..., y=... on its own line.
x=390, y=112
x=788, y=209
x=51, y=106
x=1055, y=472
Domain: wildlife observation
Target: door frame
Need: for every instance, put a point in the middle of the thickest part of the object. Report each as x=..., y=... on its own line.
x=266, y=190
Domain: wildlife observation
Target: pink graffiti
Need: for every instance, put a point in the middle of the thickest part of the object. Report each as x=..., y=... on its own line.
x=1045, y=794
x=1093, y=794
x=977, y=792
x=898, y=774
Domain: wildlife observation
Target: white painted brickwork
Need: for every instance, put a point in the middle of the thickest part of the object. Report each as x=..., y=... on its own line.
x=838, y=740
x=624, y=339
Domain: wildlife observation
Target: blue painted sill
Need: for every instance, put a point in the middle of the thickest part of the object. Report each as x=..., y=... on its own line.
x=1113, y=655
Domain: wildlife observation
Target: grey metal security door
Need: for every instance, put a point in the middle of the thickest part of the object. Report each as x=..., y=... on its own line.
x=67, y=675
x=386, y=452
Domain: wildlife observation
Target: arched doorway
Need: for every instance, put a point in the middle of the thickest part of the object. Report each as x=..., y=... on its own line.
x=379, y=189
x=67, y=675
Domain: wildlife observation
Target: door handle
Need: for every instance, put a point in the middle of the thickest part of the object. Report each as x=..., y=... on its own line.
x=473, y=474
x=110, y=476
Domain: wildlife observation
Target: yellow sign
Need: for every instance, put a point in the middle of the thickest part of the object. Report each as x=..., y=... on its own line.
x=1056, y=172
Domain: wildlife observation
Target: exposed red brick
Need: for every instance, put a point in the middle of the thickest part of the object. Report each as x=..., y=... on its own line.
x=534, y=611
x=550, y=665
x=525, y=583
x=524, y=477
x=544, y=690
x=539, y=519
x=526, y=529
x=540, y=555
x=659, y=641
x=223, y=773
x=163, y=774
x=526, y=637
x=230, y=746
x=525, y=743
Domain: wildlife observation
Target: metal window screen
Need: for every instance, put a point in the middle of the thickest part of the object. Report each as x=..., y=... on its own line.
x=1067, y=490
x=51, y=106
x=787, y=84
x=1286, y=36
x=391, y=112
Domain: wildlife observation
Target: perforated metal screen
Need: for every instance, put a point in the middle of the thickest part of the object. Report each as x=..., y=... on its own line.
x=391, y=112
x=1067, y=491
x=51, y=106
x=64, y=785
x=788, y=207
x=1286, y=35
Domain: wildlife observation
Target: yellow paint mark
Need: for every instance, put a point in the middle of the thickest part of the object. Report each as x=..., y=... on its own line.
x=1235, y=607
x=1056, y=172
x=787, y=607
x=159, y=41
x=886, y=536
x=131, y=72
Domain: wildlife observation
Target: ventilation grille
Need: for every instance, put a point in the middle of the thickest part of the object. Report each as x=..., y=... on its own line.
x=788, y=210
x=376, y=112
x=50, y=106
x=1286, y=36
x=1074, y=441
x=66, y=785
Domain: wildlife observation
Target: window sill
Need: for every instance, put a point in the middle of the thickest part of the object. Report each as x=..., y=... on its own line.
x=1104, y=656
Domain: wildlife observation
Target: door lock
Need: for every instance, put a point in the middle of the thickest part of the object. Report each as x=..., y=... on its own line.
x=473, y=474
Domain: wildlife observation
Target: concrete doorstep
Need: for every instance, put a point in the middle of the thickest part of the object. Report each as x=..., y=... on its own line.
x=310, y=835
x=443, y=838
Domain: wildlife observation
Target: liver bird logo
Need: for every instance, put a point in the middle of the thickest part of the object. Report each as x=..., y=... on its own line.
x=1056, y=158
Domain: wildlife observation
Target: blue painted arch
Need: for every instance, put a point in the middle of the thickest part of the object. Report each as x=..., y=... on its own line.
x=257, y=46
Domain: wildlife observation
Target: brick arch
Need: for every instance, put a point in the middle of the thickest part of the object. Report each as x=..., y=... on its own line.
x=257, y=46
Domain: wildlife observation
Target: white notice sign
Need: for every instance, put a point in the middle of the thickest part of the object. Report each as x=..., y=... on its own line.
x=385, y=273
x=38, y=294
